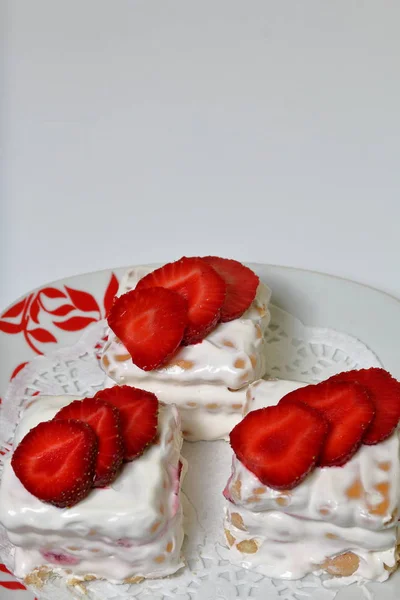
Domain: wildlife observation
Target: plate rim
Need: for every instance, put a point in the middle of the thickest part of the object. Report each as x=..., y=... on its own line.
x=248, y=263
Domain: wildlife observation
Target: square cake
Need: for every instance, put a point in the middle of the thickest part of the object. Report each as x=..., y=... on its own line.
x=341, y=520
x=207, y=380
x=129, y=530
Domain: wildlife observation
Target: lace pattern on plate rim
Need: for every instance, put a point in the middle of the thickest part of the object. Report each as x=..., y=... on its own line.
x=294, y=352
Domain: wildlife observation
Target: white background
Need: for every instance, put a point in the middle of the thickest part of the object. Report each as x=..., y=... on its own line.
x=142, y=130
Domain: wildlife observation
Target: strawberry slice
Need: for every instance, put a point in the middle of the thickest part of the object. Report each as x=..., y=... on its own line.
x=150, y=323
x=384, y=392
x=280, y=444
x=56, y=461
x=200, y=285
x=241, y=286
x=104, y=419
x=139, y=416
x=349, y=412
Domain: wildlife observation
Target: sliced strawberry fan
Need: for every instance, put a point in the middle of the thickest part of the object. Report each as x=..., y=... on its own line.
x=279, y=445
x=83, y=446
x=152, y=325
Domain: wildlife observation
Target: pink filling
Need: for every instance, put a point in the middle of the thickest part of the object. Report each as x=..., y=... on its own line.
x=175, y=473
x=226, y=491
x=180, y=467
x=59, y=558
x=124, y=543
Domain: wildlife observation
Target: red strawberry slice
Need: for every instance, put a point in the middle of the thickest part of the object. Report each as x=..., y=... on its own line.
x=104, y=419
x=56, y=461
x=349, y=412
x=139, y=416
x=280, y=444
x=200, y=285
x=241, y=286
x=384, y=392
x=150, y=323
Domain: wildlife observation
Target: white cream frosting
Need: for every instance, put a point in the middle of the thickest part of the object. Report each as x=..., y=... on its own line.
x=207, y=380
x=358, y=503
x=132, y=528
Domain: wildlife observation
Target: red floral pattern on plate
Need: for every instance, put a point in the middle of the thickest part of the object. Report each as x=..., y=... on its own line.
x=7, y=582
x=10, y=585
x=24, y=317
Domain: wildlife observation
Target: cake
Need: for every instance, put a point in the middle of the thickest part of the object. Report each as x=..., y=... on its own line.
x=207, y=380
x=125, y=531
x=338, y=511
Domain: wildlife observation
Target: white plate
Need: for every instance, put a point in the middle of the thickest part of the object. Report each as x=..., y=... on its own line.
x=56, y=314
